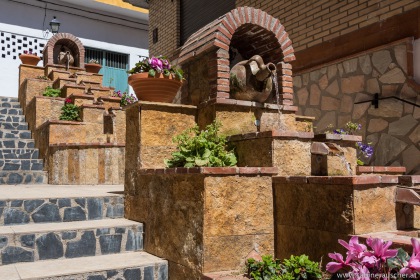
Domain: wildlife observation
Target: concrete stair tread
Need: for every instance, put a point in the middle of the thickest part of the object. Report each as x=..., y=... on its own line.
x=25, y=192
x=63, y=267
x=67, y=226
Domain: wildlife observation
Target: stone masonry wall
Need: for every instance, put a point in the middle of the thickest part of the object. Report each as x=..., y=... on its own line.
x=329, y=92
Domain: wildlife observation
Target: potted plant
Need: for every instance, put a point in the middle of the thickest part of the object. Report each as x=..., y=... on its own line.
x=154, y=79
x=93, y=66
x=30, y=58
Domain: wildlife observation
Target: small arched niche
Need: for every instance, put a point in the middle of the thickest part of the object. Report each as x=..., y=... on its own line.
x=64, y=45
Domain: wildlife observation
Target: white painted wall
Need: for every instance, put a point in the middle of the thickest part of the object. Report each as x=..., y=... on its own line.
x=417, y=60
x=109, y=32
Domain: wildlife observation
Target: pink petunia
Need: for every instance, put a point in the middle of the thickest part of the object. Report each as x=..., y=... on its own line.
x=413, y=265
x=333, y=267
x=356, y=250
x=380, y=249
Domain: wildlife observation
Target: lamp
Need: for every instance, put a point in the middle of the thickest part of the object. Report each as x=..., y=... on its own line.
x=55, y=25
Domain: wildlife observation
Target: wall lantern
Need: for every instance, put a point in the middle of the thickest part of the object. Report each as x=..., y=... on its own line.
x=55, y=25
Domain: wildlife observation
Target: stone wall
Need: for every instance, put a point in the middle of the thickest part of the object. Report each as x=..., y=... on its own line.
x=329, y=92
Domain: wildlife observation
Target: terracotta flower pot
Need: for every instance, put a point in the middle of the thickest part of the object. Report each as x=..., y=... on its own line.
x=30, y=59
x=93, y=67
x=155, y=89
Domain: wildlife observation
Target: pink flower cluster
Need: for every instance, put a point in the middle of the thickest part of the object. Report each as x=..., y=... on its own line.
x=159, y=64
x=361, y=263
x=67, y=101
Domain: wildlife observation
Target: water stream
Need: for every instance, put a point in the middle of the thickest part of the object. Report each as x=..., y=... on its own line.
x=276, y=86
x=346, y=163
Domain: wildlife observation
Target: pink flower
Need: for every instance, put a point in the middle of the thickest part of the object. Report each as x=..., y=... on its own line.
x=67, y=101
x=413, y=265
x=155, y=63
x=356, y=250
x=333, y=267
x=166, y=64
x=380, y=249
x=360, y=272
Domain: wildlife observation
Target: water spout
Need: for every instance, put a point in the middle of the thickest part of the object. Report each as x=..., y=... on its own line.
x=346, y=163
x=276, y=87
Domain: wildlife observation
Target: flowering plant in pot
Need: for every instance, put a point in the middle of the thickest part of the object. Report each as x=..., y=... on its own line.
x=93, y=66
x=155, y=79
x=30, y=58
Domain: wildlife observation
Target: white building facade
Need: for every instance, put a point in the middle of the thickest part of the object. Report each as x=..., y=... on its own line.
x=113, y=32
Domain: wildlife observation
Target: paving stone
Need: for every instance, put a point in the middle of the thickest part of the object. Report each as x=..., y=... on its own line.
x=3, y=241
x=1, y=212
x=350, y=65
x=353, y=84
x=69, y=235
x=163, y=272
x=388, y=108
x=110, y=244
x=64, y=202
x=115, y=211
x=333, y=88
x=134, y=241
x=332, y=71
x=302, y=96
x=97, y=277
x=390, y=147
x=381, y=60
x=15, y=216
x=393, y=76
x=49, y=246
x=74, y=214
x=389, y=90
x=401, y=56
x=297, y=81
x=402, y=126
x=314, y=75
x=3, y=203
x=31, y=205
x=16, y=254
x=47, y=213
x=132, y=274
x=346, y=104
x=149, y=273
x=414, y=136
x=365, y=64
x=111, y=273
x=94, y=206
x=376, y=125
x=86, y=246
x=411, y=158
x=315, y=95
x=81, y=202
x=28, y=240
x=408, y=92
x=119, y=230
x=102, y=231
x=329, y=118
x=16, y=203
x=323, y=82
x=330, y=103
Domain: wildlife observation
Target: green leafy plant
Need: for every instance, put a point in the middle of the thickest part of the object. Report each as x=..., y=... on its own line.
x=126, y=98
x=294, y=268
x=51, y=92
x=70, y=112
x=201, y=148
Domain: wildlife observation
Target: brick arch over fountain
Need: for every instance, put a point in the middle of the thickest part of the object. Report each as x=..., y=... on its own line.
x=50, y=51
x=251, y=31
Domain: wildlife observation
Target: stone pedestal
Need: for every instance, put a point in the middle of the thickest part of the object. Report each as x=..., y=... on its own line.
x=203, y=219
x=312, y=213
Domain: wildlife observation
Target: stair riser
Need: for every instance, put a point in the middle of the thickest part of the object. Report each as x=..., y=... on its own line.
x=31, y=247
x=5, y=104
x=9, y=99
x=14, y=134
x=28, y=177
x=19, y=154
x=10, y=111
x=13, y=126
x=12, y=118
x=13, y=212
x=21, y=165
x=132, y=273
x=11, y=143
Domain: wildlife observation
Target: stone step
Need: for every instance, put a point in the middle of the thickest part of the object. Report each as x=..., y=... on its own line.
x=8, y=104
x=17, y=142
x=20, y=210
x=21, y=164
x=11, y=111
x=12, y=118
x=127, y=266
x=14, y=125
x=23, y=177
x=8, y=134
x=19, y=153
x=37, y=242
x=8, y=99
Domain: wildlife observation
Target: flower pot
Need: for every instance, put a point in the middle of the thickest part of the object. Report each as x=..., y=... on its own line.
x=30, y=59
x=155, y=89
x=93, y=67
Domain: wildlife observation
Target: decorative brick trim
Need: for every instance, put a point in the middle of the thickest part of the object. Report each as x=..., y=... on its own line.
x=275, y=133
x=381, y=169
x=251, y=104
x=72, y=42
x=211, y=170
x=409, y=180
x=337, y=180
x=86, y=145
x=81, y=96
x=58, y=122
x=92, y=106
x=343, y=137
x=47, y=97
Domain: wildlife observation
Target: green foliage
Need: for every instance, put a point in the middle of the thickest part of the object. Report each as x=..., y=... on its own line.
x=42, y=77
x=360, y=162
x=51, y=92
x=295, y=268
x=399, y=260
x=70, y=112
x=201, y=148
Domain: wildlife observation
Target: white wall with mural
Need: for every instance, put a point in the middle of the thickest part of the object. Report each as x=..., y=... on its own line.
x=23, y=24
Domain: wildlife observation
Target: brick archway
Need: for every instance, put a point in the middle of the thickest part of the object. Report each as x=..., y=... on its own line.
x=68, y=40
x=205, y=55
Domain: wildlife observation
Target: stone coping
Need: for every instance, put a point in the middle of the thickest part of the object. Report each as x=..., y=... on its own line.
x=380, y=169
x=49, y=122
x=409, y=180
x=275, y=133
x=342, y=137
x=399, y=238
x=47, y=97
x=31, y=66
x=305, y=118
x=38, y=80
x=73, y=86
x=84, y=96
x=211, y=170
x=114, y=108
x=92, y=106
x=100, y=88
x=154, y=105
x=67, y=79
x=243, y=103
x=337, y=180
x=62, y=66
x=111, y=98
x=87, y=145
x=60, y=71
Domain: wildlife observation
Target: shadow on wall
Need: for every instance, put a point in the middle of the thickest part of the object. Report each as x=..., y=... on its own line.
x=416, y=54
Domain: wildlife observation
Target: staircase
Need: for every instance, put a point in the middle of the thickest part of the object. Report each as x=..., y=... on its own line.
x=19, y=160
x=71, y=232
